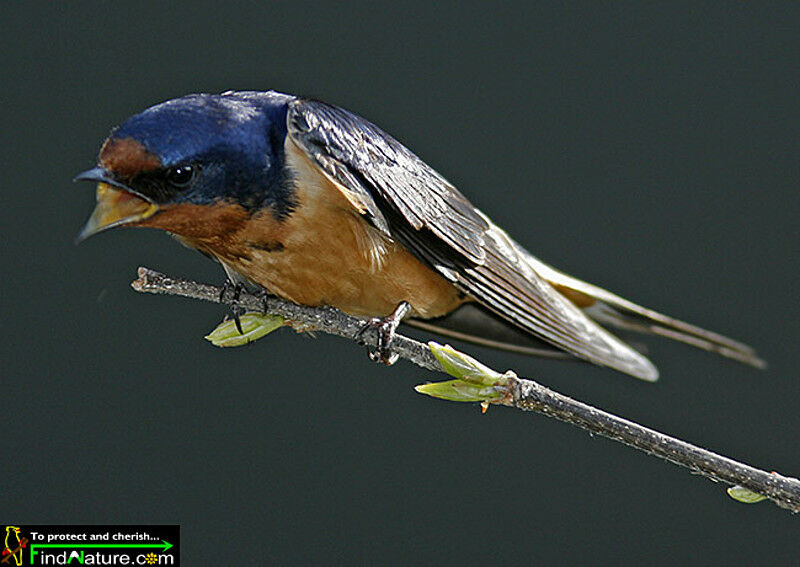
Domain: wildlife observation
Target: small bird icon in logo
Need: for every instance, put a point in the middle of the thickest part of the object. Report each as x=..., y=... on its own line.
x=13, y=546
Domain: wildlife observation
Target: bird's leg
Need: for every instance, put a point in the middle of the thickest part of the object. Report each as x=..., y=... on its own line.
x=386, y=327
x=263, y=295
x=236, y=309
x=225, y=287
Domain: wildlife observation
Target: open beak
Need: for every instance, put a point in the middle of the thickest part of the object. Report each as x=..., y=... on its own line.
x=116, y=205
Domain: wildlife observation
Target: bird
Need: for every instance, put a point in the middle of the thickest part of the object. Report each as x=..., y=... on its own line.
x=13, y=545
x=307, y=201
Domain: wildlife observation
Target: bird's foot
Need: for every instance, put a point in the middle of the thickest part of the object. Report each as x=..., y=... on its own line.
x=386, y=328
x=236, y=309
x=263, y=295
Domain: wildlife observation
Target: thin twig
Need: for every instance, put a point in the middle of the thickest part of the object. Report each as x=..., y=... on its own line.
x=521, y=393
x=299, y=317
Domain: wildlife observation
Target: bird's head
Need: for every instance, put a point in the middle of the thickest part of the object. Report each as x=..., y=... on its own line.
x=168, y=165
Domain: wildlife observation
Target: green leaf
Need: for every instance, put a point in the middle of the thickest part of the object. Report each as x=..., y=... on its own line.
x=745, y=495
x=459, y=391
x=475, y=382
x=254, y=326
x=465, y=367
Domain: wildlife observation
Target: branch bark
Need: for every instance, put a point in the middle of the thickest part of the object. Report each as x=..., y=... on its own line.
x=521, y=393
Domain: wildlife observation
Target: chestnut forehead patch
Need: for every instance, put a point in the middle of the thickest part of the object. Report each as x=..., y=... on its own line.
x=126, y=156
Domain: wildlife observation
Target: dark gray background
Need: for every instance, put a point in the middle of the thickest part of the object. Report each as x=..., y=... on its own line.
x=651, y=151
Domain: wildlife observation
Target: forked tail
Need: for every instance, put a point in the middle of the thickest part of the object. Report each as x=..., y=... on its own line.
x=611, y=310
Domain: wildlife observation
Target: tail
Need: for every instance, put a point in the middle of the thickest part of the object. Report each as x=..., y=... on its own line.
x=610, y=309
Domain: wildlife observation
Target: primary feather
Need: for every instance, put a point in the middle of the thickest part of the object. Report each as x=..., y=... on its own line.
x=420, y=209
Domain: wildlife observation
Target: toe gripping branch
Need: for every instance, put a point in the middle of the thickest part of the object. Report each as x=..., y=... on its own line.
x=236, y=308
x=386, y=328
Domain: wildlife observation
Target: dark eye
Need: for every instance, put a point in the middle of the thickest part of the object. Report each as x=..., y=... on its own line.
x=181, y=175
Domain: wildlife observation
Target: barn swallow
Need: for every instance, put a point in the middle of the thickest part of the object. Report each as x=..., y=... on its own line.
x=318, y=206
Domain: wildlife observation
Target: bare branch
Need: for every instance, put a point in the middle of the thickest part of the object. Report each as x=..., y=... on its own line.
x=299, y=317
x=519, y=392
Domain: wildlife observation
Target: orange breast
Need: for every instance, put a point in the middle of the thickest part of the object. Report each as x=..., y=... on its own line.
x=324, y=253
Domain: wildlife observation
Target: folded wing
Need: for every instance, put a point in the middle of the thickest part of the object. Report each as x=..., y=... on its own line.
x=410, y=202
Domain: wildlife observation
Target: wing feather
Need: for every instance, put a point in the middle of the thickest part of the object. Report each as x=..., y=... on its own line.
x=378, y=165
x=416, y=206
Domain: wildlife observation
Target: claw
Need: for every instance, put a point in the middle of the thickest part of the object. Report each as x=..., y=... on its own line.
x=236, y=309
x=386, y=327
